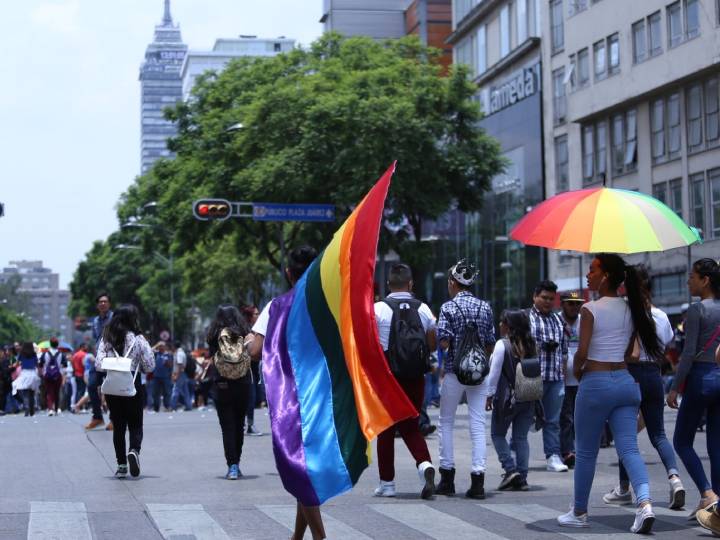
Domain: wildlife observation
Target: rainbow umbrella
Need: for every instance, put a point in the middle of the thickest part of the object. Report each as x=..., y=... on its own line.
x=604, y=220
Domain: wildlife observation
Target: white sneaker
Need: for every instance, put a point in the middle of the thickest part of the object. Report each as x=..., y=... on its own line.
x=618, y=496
x=677, y=494
x=555, y=464
x=644, y=519
x=571, y=520
x=426, y=472
x=51, y=413
x=385, y=489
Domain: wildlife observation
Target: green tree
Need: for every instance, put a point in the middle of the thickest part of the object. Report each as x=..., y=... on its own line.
x=16, y=327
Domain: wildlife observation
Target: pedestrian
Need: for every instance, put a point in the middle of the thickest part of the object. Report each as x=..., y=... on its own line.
x=230, y=373
x=607, y=392
x=78, y=366
x=161, y=377
x=570, y=304
x=463, y=313
x=28, y=381
x=123, y=333
x=52, y=364
x=647, y=373
x=251, y=313
x=181, y=387
x=5, y=379
x=300, y=259
x=95, y=379
x=517, y=344
x=548, y=330
x=697, y=360
x=406, y=328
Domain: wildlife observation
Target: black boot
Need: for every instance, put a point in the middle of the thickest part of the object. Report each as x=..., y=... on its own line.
x=477, y=489
x=447, y=482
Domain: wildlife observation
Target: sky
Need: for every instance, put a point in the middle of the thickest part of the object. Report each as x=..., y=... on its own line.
x=70, y=108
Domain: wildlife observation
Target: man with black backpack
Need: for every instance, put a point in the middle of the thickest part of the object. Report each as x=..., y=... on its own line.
x=406, y=328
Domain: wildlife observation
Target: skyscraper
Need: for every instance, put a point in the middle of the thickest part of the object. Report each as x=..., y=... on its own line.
x=161, y=87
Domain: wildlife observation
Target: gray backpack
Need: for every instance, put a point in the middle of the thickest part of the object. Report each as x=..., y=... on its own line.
x=527, y=384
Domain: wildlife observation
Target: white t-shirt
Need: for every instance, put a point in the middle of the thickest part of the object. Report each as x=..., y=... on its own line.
x=612, y=329
x=664, y=331
x=496, y=363
x=384, y=313
x=260, y=326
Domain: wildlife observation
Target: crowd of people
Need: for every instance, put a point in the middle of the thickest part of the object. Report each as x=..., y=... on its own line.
x=584, y=374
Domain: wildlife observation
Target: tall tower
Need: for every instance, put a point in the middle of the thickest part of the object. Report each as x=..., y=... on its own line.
x=161, y=87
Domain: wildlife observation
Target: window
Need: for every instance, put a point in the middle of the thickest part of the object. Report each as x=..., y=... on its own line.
x=464, y=53
x=601, y=148
x=654, y=34
x=657, y=127
x=588, y=154
x=505, y=31
x=631, y=140
x=599, y=60
x=673, y=115
x=618, y=144
x=521, y=14
x=277, y=47
x=481, y=50
x=639, y=42
x=462, y=8
x=692, y=18
x=697, y=200
x=624, y=142
x=676, y=196
x=669, y=285
x=660, y=192
x=557, y=30
x=561, y=164
x=576, y=6
x=594, y=142
x=714, y=181
x=613, y=46
x=674, y=24
x=583, y=68
x=712, y=130
x=694, y=117
x=559, y=100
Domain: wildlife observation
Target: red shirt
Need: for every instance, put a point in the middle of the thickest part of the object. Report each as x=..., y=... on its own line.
x=78, y=363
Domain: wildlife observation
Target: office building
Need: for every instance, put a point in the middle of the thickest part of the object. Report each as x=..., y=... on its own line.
x=379, y=19
x=161, y=87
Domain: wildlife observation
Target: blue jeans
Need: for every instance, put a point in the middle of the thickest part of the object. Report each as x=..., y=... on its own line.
x=692, y=407
x=95, y=380
x=521, y=419
x=647, y=375
x=161, y=387
x=553, y=395
x=181, y=388
x=611, y=396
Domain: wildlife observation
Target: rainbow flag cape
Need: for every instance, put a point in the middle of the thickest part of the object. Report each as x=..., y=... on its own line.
x=328, y=386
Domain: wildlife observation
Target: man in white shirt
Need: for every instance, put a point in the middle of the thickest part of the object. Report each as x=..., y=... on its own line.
x=406, y=328
x=181, y=383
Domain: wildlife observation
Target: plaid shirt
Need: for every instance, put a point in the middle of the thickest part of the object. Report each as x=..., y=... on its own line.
x=547, y=329
x=451, y=323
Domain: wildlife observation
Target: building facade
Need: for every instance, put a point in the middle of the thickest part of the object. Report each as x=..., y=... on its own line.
x=378, y=19
x=498, y=40
x=225, y=50
x=631, y=102
x=161, y=87
x=48, y=304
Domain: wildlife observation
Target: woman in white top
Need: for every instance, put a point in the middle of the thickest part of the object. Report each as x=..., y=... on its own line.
x=607, y=392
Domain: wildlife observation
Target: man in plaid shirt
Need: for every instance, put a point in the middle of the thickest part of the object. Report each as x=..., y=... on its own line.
x=455, y=316
x=547, y=329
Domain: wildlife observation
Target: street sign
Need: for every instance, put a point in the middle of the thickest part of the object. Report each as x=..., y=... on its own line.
x=293, y=212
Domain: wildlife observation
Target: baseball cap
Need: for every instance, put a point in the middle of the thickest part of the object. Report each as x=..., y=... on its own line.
x=571, y=296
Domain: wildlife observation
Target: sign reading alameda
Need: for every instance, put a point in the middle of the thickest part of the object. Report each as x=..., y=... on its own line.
x=521, y=86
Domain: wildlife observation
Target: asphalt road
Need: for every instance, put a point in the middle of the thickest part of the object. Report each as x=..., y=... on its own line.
x=56, y=482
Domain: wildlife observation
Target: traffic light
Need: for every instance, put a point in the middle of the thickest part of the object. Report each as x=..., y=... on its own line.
x=212, y=209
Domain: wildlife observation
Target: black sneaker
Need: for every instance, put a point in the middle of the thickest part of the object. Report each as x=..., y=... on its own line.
x=134, y=463
x=569, y=460
x=428, y=490
x=122, y=471
x=520, y=484
x=427, y=429
x=508, y=480
x=253, y=432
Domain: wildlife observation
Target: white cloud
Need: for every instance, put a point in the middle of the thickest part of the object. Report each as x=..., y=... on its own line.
x=59, y=16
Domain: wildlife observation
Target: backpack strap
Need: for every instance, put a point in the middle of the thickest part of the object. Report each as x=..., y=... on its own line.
x=508, y=368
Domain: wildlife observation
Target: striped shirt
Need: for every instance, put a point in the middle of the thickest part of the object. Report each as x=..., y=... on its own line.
x=451, y=323
x=548, y=331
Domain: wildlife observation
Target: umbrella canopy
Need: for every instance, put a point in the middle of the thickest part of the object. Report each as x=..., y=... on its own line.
x=604, y=220
x=62, y=346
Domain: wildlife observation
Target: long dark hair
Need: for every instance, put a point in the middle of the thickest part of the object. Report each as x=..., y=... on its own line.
x=125, y=319
x=226, y=316
x=638, y=297
x=519, y=334
x=708, y=268
x=27, y=350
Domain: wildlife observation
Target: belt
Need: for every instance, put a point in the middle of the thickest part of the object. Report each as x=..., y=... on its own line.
x=593, y=365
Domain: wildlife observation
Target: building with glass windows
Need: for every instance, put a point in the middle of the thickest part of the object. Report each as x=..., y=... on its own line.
x=161, y=87
x=631, y=100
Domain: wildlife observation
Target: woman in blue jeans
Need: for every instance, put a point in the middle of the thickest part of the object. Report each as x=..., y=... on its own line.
x=607, y=392
x=697, y=360
x=517, y=344
x=646, y=372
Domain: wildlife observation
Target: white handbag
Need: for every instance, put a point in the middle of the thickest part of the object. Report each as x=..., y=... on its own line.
x=119, y=378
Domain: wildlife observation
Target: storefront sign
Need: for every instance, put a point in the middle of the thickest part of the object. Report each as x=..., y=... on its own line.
x=523, y=85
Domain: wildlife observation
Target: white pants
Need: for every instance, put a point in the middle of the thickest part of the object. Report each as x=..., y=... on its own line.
x=450, y=395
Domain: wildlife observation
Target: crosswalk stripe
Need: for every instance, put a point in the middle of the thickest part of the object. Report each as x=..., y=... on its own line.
x=536, y=514
x=285, y=516
x=58, y=521
x=186, y=520
x=434, y=523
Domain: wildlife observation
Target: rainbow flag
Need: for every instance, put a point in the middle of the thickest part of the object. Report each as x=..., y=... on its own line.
x=328, y=386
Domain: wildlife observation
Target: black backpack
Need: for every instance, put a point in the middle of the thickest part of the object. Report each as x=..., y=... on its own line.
x=471, y=361
x=190, y=366
x=408, y=354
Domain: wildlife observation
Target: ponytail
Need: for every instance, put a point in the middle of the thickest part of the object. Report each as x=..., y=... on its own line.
x=709, y=268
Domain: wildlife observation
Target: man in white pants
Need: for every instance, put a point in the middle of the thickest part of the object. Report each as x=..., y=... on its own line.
x=456, y=316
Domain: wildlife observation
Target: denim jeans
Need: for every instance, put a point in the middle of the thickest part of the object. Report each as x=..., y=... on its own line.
x=95, y=380
x=692, y=407
x=181, y=388
x=161, y=387
x=611, y=396
x=553, y=394
x=567, y=421
x=521, y=419
x=652, y=403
